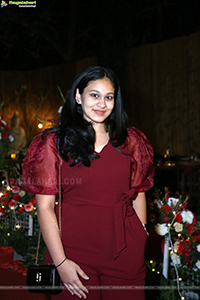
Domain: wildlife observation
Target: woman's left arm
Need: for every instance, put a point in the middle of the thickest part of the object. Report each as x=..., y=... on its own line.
x=139, y=205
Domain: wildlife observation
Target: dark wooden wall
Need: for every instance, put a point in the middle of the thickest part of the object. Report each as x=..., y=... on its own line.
x=162, y=93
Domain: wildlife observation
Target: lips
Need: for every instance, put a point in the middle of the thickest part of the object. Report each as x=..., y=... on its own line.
x=99, y=112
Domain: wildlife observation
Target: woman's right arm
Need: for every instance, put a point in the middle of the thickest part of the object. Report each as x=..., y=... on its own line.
x=68, y=270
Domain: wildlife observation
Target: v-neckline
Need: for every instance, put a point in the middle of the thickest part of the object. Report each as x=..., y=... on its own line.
x=104, y=146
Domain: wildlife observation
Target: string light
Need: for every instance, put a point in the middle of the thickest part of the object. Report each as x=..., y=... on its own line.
x=13, y=155
x=151, y=261
x=40, y=125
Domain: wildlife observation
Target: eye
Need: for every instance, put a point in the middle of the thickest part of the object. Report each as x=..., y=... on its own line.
x=109, y=98
x=94, y=95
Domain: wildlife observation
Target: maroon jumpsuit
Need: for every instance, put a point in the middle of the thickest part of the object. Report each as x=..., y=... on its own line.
x=100, y=230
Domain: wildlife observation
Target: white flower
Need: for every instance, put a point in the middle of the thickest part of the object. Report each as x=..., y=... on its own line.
x=0, y=136
x=60, y=109
x=11, y=138
x=175, y=259
x=161, y=229
x=178, y=227
x=158, y=202
x=198, y=248
x=187, y=216
x=22, y=193
x=172, y=201
x=198, y=264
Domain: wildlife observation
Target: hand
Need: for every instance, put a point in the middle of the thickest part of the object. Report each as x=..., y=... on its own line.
x=69, y=272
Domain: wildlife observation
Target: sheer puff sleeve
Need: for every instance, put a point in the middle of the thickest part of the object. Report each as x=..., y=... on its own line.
x=142, y=163
x=41, y=166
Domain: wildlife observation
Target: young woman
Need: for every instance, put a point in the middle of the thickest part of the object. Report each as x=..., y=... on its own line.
x=106, y=169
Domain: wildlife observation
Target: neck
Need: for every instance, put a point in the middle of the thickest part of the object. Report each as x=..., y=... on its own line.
x=99, y=129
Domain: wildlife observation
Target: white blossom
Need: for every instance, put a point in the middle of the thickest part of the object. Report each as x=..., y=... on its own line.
x=175, y=259
x=158, y=202
x=60, y=109
x=11, y=138
x=187, y=216
x=198, y=248
x=178, y=227
x=198, y=264
x=161, y=229
x=22, y=193
x=172, y=201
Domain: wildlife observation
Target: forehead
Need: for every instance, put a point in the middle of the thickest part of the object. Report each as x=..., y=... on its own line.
x=101, y=85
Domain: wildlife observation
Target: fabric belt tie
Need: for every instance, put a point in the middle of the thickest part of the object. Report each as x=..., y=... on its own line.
x=122, y=209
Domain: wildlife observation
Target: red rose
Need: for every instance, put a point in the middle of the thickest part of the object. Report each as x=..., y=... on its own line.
x=196, y=238
x=183, y=249
x=21, y=210
x=7, y=128
x=190, y=228
x=5, y=135
x=166, y=219
x=2, y=211
x=166, y=208
x=5, y=202
x=12, y=181
x=178, y=218
x=16, y=197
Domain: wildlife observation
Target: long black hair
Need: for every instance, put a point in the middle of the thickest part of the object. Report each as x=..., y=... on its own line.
x=76, y=136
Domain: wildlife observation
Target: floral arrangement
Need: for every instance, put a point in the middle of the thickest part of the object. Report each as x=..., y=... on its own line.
x=171, y=217
x=16, y=201
x=15, y=204
x=5, y=139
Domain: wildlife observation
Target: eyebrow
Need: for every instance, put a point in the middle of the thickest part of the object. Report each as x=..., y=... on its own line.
x=100, y=92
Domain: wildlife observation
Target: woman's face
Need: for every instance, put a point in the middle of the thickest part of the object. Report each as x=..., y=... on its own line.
x=97, y=100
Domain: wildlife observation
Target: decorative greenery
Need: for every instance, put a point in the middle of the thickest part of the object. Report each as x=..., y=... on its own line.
x=15, y=205
x=170, y=217
x=5, y=139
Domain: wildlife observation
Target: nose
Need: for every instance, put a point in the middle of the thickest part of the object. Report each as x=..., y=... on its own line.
x=102, y=102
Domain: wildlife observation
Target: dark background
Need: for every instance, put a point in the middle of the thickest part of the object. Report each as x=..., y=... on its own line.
x=57, y=32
